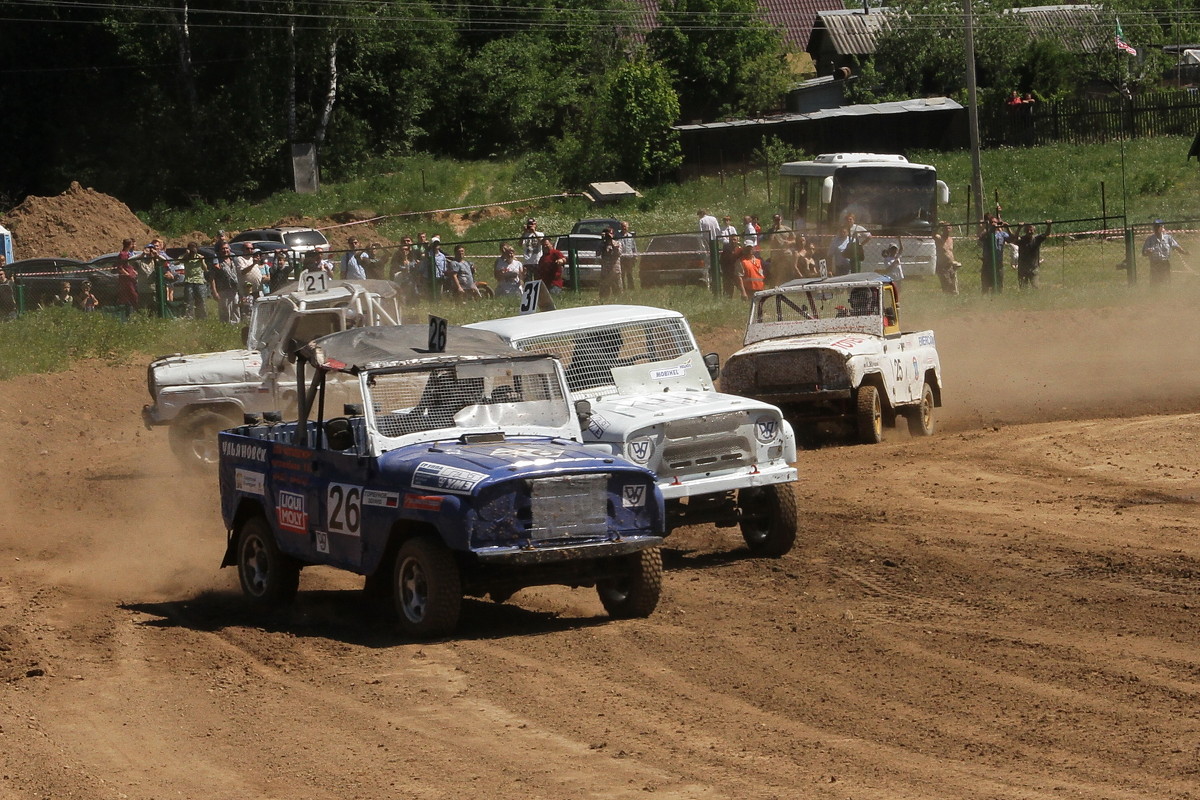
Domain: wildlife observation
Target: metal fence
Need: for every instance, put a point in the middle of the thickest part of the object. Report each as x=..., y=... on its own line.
x=1089, y=120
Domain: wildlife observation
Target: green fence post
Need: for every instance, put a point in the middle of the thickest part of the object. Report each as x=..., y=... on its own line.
x=714, y=268
x=1130, y=258
x=160, y=292
x=20, y=299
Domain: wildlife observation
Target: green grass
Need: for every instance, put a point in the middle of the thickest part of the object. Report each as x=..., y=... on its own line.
x=1059, y=182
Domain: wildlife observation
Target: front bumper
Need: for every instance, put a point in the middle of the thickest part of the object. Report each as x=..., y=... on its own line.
x=675, y=488
x=554, y=554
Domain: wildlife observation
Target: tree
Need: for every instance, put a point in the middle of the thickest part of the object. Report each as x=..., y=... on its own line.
x=639, y=108
x=724, y=58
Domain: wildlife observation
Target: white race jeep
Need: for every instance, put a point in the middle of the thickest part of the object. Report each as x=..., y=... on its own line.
x=830, y=351
x=643, y=392
x=199, y=395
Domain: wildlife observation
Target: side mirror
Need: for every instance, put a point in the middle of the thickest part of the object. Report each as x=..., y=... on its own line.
x=583, y=409
x=339, y=434
x=713, y=362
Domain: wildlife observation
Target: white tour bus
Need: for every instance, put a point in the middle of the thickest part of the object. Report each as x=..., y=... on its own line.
x=886, y=194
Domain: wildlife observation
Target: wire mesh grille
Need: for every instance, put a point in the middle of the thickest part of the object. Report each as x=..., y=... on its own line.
x=590, y=355
x=483, y=395
x=572, y=505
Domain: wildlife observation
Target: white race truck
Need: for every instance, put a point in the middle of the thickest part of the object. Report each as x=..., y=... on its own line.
x=643, y=392
x=829, y=351
x=199, y=395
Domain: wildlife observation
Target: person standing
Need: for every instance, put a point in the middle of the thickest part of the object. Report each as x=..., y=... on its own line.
x=731, y=250
x=1157, y=248
x=710, y=229
x=352, y=269
x=1029, y=255
x=127, y=278
x=993, y=235
x=250, y=277
x=781, y=255
x=893, y=267
x=436, y=264
x=751, y=278
x=87, y=300
x=627, y=240
x=372, y=262
x=8, y=298
x=223, y=283
x=609, y=253
x=194, y=269
x=859, y=237
x=460, y=276
x=945, y=266
x=838, y=257
x=508, y=272
x=550, y=266
x=531, y=247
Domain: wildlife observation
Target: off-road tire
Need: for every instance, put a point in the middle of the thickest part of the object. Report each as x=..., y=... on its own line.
x=920, y=417
x=193, y=438
x=770, y=519
x=268, y=576
x=635, y=593
x=427, y=588
x=868, y=415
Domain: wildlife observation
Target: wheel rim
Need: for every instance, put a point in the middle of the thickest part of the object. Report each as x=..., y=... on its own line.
x=877, y=417
x=927, y=408
x=414, y=590
x=204, y=448
x=256, y=563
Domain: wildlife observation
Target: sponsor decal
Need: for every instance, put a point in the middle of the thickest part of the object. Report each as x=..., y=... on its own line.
x=245, y=480
x=423, y=502
x=530, y=451
x=916, y=368
x=925, y=340
x=666, y=400
x=847, y=342
x=641, y=449
x=246, y=450
x=597, y=425
x=443, y=478
x=322, y=542
x=633, y=495
x=375, y=497
x=290, y=512
x=766, y=429
x=677, y=371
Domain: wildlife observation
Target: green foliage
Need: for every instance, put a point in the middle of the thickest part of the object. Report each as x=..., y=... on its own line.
x=724, y=58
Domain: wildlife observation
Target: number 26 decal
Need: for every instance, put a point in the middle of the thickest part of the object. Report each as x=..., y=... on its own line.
x=344, y=504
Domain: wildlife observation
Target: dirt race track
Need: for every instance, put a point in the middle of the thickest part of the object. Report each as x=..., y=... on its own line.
x=1006, y=610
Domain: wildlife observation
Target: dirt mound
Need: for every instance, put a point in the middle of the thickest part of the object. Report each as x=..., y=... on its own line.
x=79, y=223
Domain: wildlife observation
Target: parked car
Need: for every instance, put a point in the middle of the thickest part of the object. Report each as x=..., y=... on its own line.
x=586, y=246
x=42, y=278
x=301, y=240
x=674, y=259
x=596, y=225
x=830, y=353
x=460, y=473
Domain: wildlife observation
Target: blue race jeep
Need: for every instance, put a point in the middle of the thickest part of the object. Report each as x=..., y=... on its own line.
x=461, y=473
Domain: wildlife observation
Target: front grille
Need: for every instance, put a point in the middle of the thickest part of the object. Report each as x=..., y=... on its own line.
x=707, y=453
x=570, y=506
x=812, y=369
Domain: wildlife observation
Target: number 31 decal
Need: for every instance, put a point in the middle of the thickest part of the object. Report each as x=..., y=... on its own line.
x=344, y=505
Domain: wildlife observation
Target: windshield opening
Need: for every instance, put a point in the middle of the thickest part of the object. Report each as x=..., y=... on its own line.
x=887, y=200
x=493, y=395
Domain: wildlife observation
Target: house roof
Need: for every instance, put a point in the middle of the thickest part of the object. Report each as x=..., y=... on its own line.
x=1078, y=28
x=795, y=17
x=852, y=31
x=863, y=110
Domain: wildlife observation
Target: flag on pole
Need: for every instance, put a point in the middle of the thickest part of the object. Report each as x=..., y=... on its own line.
x=1123, y=45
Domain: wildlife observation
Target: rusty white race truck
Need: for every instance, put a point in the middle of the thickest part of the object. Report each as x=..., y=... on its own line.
x=830, y=352
x=198, y=395
x=643, y=391
x=461, y=472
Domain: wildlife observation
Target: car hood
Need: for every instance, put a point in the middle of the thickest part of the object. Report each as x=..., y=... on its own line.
x=617, y=417
x=229, y=366
x=463, y=468
x=850, y=344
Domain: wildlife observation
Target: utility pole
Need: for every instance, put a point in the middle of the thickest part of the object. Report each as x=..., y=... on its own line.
x=973, y=106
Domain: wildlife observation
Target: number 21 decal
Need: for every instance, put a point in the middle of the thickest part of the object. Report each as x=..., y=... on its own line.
x=344, y=505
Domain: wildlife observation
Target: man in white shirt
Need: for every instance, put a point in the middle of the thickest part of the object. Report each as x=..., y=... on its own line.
x=710, y=229
x=531, y=247
x=1157, y=248
x=352, y=269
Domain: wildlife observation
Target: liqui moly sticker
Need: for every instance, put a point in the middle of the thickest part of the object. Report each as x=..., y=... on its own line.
x=443, y=478
x=291, y=513
x=247, y=481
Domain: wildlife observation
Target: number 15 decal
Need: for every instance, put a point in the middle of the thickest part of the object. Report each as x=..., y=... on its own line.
x=344, y=505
